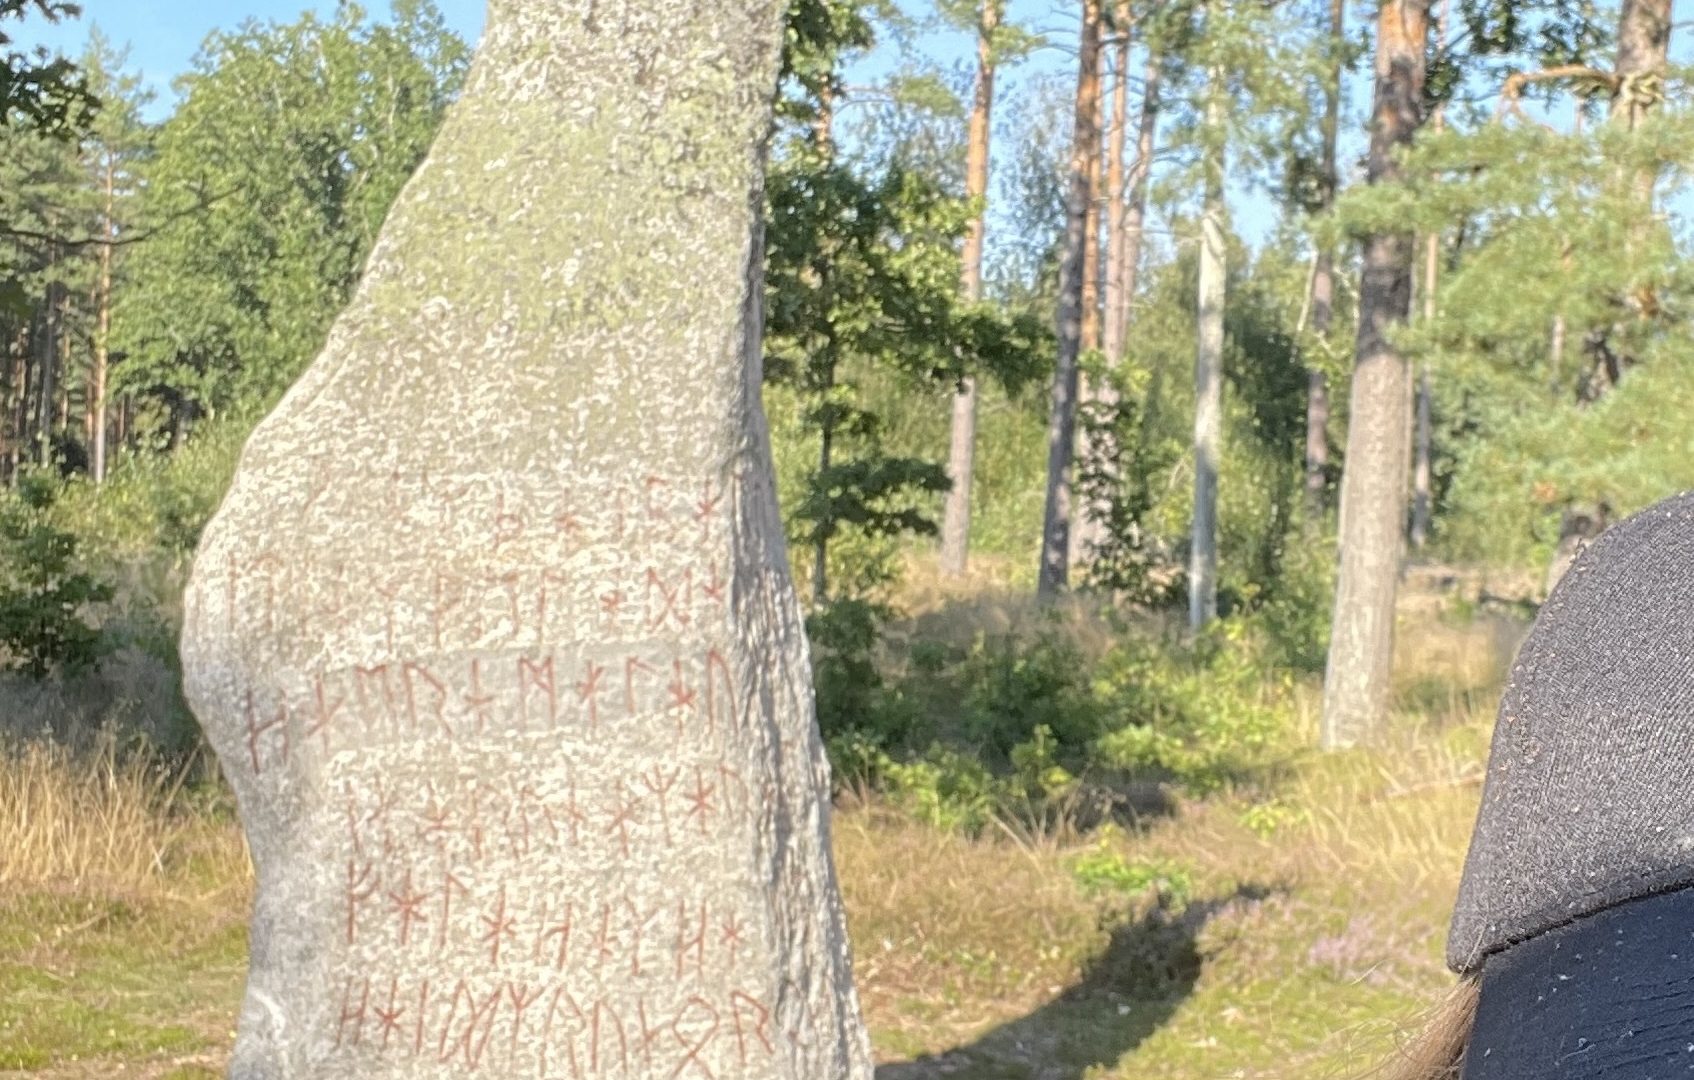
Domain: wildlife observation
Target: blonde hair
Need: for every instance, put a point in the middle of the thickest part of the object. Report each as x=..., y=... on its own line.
x=1438, y=1051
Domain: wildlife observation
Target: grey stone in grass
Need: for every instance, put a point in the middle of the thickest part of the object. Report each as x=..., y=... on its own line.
x=494, y=634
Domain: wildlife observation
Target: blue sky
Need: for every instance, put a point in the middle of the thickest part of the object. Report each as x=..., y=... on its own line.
x=163, y=35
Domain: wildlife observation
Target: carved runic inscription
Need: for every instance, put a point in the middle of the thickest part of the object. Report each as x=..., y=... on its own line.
x=493, y=633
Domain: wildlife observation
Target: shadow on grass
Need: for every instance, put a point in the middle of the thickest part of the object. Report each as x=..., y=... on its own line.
x=1124, y=995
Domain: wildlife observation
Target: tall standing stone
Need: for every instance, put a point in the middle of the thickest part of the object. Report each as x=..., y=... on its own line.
x=494, y=634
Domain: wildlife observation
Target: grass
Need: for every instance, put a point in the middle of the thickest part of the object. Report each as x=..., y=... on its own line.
x=1293, y=929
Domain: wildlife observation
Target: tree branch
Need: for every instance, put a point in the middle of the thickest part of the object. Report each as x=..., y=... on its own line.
x=1511, y=93
x=12, y=232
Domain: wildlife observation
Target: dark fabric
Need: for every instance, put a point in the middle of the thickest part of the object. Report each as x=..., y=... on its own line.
x=1589, y=799
x=1608, y=997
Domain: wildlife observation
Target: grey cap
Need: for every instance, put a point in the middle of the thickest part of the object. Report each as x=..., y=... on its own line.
x=1589, y=799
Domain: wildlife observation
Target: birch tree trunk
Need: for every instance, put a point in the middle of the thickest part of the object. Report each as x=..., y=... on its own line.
x=1061, y=424
x=1208, y=369
x=961, y=451
x=1357, y=680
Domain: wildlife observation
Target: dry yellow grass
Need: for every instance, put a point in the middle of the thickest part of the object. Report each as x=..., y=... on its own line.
x=1306, y=935
x=101, y=822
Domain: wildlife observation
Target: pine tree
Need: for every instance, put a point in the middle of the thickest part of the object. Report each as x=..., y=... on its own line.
x=1373, y=487
x=1072, y=317
x=956, y=519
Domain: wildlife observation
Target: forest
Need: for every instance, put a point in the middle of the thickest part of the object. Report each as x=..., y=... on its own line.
x=1179, y=409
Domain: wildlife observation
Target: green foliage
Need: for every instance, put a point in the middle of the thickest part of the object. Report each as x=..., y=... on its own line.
x=862, y=277
x=1033, y=729
x=47, y=600
x=1015, y=690
x=1266, y=819
x=858, y=714
x=1200, y=713
x=267, y=189
x=40, y=92
x=1104, y=870
x=1561, y=287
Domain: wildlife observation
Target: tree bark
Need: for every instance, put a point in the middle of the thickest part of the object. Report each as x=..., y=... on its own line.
x=1357, y=680
x=1208, y=370
x=1061, y=425
x=823, y=134
x=1091, y=291
x=1642, y=56
x=1112, y=340
x=103, y=331
x=1323, y=284
x=1643, y=51
x=961, y=451
x=1135, y=216
x=1423, y=498
x=1099, y=397
x=47, y=384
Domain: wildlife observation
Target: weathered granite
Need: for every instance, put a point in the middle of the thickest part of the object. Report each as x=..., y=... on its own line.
x=494, y=635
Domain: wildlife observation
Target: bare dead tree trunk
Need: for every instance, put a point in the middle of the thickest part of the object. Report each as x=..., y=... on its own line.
x=1323, y=282
x=1357, y=679
x=961, y=451
x=1061, y=425
x=1208, y=369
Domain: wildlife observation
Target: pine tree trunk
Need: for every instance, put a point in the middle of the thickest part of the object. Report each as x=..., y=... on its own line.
x=1112, y=339
x=103, y=332
x=12, y=405
x=1357, y=680
x=1642, y=56
x=961, y=451
x=823, y=132
x=1135, y=216
x=47, y=382
x=1423, y=503
x=1099, y=398
x=1091, y=292
x=1208, y=370
x=1423, y=449
x=1323, y=284
x=1061, y=425
x=1643, y=50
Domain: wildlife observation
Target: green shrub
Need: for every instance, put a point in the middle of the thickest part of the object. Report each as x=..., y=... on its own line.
x=1012, y=688
x=859, y=715
x=47, y=601
x=1197, y=714
x=1104, y=870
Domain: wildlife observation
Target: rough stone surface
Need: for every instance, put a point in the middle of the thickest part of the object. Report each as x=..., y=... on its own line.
x=494, y=634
